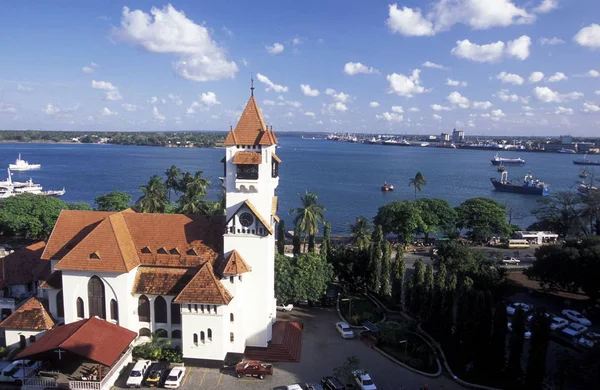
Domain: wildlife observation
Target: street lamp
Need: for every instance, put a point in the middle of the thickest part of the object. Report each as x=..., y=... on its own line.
x=349, y=307
x=405, y=342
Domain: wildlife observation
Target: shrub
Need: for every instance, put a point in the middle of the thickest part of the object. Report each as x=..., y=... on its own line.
x=4, y=351
x=172, y=355
x=149, y=351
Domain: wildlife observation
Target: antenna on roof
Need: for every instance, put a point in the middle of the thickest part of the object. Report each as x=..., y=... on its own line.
x=251, y=86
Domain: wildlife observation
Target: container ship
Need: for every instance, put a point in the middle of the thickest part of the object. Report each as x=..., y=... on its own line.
x=529, y=185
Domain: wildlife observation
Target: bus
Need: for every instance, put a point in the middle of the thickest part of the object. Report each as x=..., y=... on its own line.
x=518, y=244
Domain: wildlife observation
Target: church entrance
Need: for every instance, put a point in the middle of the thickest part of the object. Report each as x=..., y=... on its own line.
x=96, y=298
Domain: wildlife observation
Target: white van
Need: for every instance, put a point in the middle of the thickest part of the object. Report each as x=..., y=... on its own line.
x=137, y=373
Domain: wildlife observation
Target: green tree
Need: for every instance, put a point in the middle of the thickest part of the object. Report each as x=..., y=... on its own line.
x=286, y=289
x=437, y=215
x=296, y=241
x=561, y=213
x=385, y=289
x=540, y=337
x=310, y=215
x=30, y=216
x=350, y=265
x=482, y=218
x=497, y=350
x=516, y=346
x=374, y=275
x=82, y=206
x=428, y=289
x=193, y=194
x=418, y=290
x=418, y=182
x=440, y=278
x=346, y=370
x=304, y=277
x=402, y=218
x=361, y=232
x=325, y=250
x=173, y=175
x=113, y=201
x=399, y=273
x=281, y=237
x=154, y=196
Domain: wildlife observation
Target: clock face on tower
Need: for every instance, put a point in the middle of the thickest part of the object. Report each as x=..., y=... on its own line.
x=246, y=219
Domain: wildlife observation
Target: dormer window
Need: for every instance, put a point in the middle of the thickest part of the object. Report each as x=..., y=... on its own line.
x=174, y=251
x=191, y=252
x=94, y=256
x=146, y=250
x=162, y=251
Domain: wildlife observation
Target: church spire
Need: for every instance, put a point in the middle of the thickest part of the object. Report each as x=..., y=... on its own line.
x=251, y=86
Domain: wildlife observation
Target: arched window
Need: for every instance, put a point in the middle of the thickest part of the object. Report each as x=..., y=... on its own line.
x=31, y=339
x=161, y=334
x=231, y=338
x=143, y=309
x=209, y=334
x=145, y=332
x=160, y=310
x=80, y=311
x=60, y=304
x=114, y=310
x=96, y=298
x=175, y=313
x=176, y=334
x=196, y=339
x=231, y=317
x=202, y=338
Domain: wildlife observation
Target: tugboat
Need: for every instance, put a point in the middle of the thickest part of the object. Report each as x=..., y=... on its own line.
x=22, y=165
x=387, y=187
x=497, y=160
x=529, y=186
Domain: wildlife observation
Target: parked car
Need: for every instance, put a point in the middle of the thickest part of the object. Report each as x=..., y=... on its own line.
x=527, y=334
x=574, y=329
x=288, y=307
x=313, y=386
x=512, y=308
x=253, y=368
x=576, y=316
x=157, y=375
x=589, y=340
x=136, y=377
x=363, y=380
x=558, y=323
x=332, y=383
x=25, y=368
x=530, y=317
x=344, y=330
x=511, y=260
x=175, y=377
x=294, y=387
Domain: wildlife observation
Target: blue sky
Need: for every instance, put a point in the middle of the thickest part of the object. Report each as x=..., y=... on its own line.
x=413, y=67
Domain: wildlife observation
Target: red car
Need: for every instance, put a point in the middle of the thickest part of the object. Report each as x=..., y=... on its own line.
x=253, y=368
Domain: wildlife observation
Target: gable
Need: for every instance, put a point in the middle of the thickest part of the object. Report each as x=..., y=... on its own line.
x=204, y=288
x=248, y=206
x=30, y=316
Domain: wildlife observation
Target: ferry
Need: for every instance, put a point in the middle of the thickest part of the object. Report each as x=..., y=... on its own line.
x=529, y=186
x=387, y=187
x=585, y=161
x=22, y=165
x=497, y=160
x=9, y=188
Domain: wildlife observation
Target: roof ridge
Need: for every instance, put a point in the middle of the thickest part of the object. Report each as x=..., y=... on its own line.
x=118, y=238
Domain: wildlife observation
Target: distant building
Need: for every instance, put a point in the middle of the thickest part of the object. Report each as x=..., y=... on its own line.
x=566, y=139
x=444, y=137
x=458, y=136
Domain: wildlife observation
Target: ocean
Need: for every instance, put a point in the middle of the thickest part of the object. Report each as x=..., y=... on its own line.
x=346, y=176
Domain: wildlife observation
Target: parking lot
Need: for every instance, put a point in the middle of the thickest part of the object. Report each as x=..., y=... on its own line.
x=322, y=350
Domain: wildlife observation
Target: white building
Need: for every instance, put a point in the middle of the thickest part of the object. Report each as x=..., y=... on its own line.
x=204, y=282
x=458, y=136
x=538, y=238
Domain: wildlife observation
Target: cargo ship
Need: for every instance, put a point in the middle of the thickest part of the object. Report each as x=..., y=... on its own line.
x=529, y=185
x=585, y=161
x=497, y=160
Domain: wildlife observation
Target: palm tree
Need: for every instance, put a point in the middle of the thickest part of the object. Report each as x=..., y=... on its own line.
x=194, y=190
x=418, y=182
x=308, y=216
x=361, y=232
x=154, y=196
x=173, y=177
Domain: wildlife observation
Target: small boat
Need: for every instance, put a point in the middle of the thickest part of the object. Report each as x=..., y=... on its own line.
x=497, y=160
x=22, y=165
x=585, y=161
x=529, y=186
x=584, y=189
x=501, y=168
x=387, y=187
x=584, y=173
x=568, y=151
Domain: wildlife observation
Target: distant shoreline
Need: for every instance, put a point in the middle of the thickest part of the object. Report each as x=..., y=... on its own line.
x=105, y=143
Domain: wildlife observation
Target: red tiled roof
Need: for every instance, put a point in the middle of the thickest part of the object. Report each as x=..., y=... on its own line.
x=251, y=128
x=92, y=338
x=31, y=316
x=161, y=281
x=234, y=264
x=204, y=288
x=24, y=266
x=276, y=158
x=249, y=158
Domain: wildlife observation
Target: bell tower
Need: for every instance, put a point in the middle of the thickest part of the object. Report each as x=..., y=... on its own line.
x=251, y=177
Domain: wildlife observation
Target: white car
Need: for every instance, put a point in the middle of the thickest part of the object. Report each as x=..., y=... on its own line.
x=512, y=308
x=589, y=339
x=288, y=307
x=175, y=377
x=344, y=330
x=574, y=329
x=294, y=387
x=576, y=316
x=25, y=368
x=527, y=334
x=511, y=260
x=364, y=381
x=558, y=323
x=137, y=373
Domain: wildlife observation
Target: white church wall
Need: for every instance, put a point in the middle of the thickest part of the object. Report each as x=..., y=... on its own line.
x=214, y=348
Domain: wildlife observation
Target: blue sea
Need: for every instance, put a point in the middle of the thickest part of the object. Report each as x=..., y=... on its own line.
x=347, y=177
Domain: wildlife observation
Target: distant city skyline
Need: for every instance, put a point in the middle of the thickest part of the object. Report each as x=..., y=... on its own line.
x=509, y=67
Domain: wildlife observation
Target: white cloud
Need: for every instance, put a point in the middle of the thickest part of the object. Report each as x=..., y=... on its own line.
x=308, y=91
x=551, y=41
x=354, y=68
x=505, y=97
x=339, y=97
x=54, y=110
x=478, y=14
x=546, y=95
x=169, y=31
x=529, y=114
x=456, y=83
x=311, y=114
x=437, y=107
x=510, y=78
x=276, y=48
x=106, y=112
x=590, y=107
x=436, y=117
x=374, y=104
x=482, y=105
x=492, y=52
x=157, y=115
x=271, y=85
x=459, y=100
x=153, y=100
x=429, y=64
x=87, y=69
x=593, y=73
x=527, y=108
x=7, y=108
x=175, y=99
x=560, y=110
x=297, y=41
x=589, y=36
x=414, y=109
x=113, y=96
x=398, y=109
x=130, y=107
x=337, y=106
x=390, y=117
x=597, y=92
x=112, y=92
x=269, y=102
x=207, y=99
x=556, y=77
x=536, y=77
x=546, y=6
x=403, y=85
x=497, y=114
x=27, y=88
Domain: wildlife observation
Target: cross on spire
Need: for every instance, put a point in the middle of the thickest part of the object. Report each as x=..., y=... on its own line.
x=251, y=86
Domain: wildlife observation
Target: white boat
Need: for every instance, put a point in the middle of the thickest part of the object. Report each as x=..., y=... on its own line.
x=9, y=188
x=29, y=188
x=22, y=165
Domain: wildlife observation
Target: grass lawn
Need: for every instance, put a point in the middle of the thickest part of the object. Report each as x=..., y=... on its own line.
x=359, y=309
